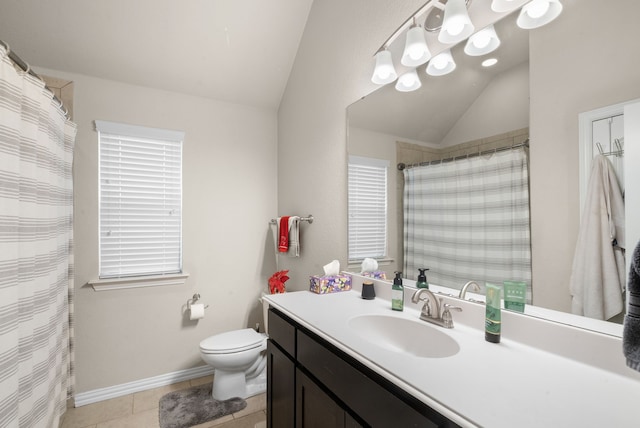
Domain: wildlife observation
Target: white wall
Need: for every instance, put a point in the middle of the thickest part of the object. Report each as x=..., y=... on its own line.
x=332, y=70
x=578, y=63
x=229, y=186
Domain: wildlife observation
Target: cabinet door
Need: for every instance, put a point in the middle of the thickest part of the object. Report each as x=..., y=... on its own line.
x=281, y=388
x=314, y=408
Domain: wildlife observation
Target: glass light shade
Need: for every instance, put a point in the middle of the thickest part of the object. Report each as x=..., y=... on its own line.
x=504, y=5
x=538, y=13
x=482, y=42
x=441, y=64
x=456, y=25
x=408, y=82
x=384, y=72
x=489, y=62
x=416, y=51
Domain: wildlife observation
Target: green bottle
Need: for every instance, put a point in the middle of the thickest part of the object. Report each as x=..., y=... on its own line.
x=397, y=293
x=422, y=279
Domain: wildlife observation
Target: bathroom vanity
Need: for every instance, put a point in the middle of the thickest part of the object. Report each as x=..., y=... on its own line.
x=340, y=361
x=317, y=384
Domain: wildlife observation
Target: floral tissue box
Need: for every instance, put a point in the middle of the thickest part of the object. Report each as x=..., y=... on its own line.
x=378, y=274
x=330, y=283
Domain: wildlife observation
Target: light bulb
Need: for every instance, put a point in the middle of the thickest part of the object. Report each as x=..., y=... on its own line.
x=537, y=8
x=538, y=13
x=384, y=71
x=481, y=39
x=440, y=62
x=416, y=52
x=408, y=82
x=455, y=27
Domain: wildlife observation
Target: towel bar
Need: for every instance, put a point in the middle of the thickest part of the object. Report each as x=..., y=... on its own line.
x=308, y=219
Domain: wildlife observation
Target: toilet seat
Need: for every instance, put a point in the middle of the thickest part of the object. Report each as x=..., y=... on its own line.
x=232, y=341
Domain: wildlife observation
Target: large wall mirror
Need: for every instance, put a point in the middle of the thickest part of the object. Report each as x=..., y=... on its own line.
x=586, y=59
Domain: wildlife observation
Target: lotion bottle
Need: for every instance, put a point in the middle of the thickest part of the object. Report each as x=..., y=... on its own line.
x=397, y=293
x=492, y=321
x=422, y=279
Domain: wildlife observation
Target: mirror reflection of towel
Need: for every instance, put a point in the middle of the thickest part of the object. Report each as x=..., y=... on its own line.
x=598, y=274
x=631, y=329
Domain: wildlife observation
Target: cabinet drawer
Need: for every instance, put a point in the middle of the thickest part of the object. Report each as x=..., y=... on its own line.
x=376, y=401
x=282, y=331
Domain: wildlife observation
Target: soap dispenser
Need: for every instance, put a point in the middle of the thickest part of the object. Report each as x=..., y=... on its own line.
x=397, y=293
x=422, y=279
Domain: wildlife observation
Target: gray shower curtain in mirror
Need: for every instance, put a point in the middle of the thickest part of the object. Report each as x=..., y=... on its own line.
x=36, y=261
x=468, y=219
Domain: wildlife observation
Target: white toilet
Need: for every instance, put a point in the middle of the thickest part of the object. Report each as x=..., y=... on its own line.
x=239, y=363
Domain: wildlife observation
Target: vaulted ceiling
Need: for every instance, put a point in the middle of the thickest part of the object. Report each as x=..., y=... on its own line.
x=240, y=51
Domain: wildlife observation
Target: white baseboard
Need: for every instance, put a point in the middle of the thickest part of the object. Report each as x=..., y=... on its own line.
x=84, y=398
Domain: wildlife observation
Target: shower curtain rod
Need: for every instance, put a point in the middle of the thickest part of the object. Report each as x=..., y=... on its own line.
x=24, y=66
x=402, y=166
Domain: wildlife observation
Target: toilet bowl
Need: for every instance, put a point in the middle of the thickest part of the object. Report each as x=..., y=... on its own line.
x=239, y=363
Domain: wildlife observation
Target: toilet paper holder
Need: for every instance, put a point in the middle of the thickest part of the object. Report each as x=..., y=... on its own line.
x=193, y=300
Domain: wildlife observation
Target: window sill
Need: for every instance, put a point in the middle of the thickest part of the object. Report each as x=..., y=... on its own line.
x=352, y=264
x=138, y=282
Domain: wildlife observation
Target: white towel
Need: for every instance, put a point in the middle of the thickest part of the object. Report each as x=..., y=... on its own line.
x=598, y=274
x=294, y=236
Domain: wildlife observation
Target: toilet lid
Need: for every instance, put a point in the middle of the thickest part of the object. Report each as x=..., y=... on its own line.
x=232, y=341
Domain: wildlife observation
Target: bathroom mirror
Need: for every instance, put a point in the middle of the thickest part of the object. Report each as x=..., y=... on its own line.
x=562, y=62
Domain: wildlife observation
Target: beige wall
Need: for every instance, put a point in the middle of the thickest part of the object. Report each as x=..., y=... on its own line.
x=578, y=63
x=332, y=70
x=229, y=197
x=501, y=107
x=363, y=142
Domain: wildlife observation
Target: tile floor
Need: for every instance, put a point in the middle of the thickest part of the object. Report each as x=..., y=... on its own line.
x=140, y=410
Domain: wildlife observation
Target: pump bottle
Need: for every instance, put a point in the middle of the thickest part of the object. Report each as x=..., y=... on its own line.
x=397, y=293
x=422, y=279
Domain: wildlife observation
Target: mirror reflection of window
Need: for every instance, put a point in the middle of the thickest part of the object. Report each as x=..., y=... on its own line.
x=367, y=180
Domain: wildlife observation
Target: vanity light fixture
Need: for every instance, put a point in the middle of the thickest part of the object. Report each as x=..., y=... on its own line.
x=408, y=82
x=482, y=42
x=506, y=5
x=456, y=24
x=441, y=64
x=416, y=52
x=538, y=13
x=384, y=71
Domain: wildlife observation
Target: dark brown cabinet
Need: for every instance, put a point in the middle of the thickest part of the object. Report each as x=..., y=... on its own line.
x=281, y=381
x=314, y=408
x=313, y=384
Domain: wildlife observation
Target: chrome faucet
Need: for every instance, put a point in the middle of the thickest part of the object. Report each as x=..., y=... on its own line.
x=431, y=309
x=471, y=284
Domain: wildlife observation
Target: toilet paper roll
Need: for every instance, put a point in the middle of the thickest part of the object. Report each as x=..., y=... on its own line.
x=197, y=311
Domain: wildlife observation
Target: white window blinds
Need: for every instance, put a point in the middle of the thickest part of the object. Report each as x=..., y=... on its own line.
x=367, y=207
x=140, y=200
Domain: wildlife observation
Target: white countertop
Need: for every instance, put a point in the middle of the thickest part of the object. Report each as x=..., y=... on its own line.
x=509, y=384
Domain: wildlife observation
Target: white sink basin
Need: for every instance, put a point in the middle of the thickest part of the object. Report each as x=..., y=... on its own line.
x=405, y=336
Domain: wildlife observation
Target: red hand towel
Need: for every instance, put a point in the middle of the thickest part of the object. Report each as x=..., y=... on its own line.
x=283, y=238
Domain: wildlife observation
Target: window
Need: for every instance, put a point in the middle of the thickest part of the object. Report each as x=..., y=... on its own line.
x=367, y=207
x=140, y=200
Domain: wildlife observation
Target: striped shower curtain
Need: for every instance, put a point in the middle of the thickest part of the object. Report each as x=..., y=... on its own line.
x=36, y=274
x=468, y=219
